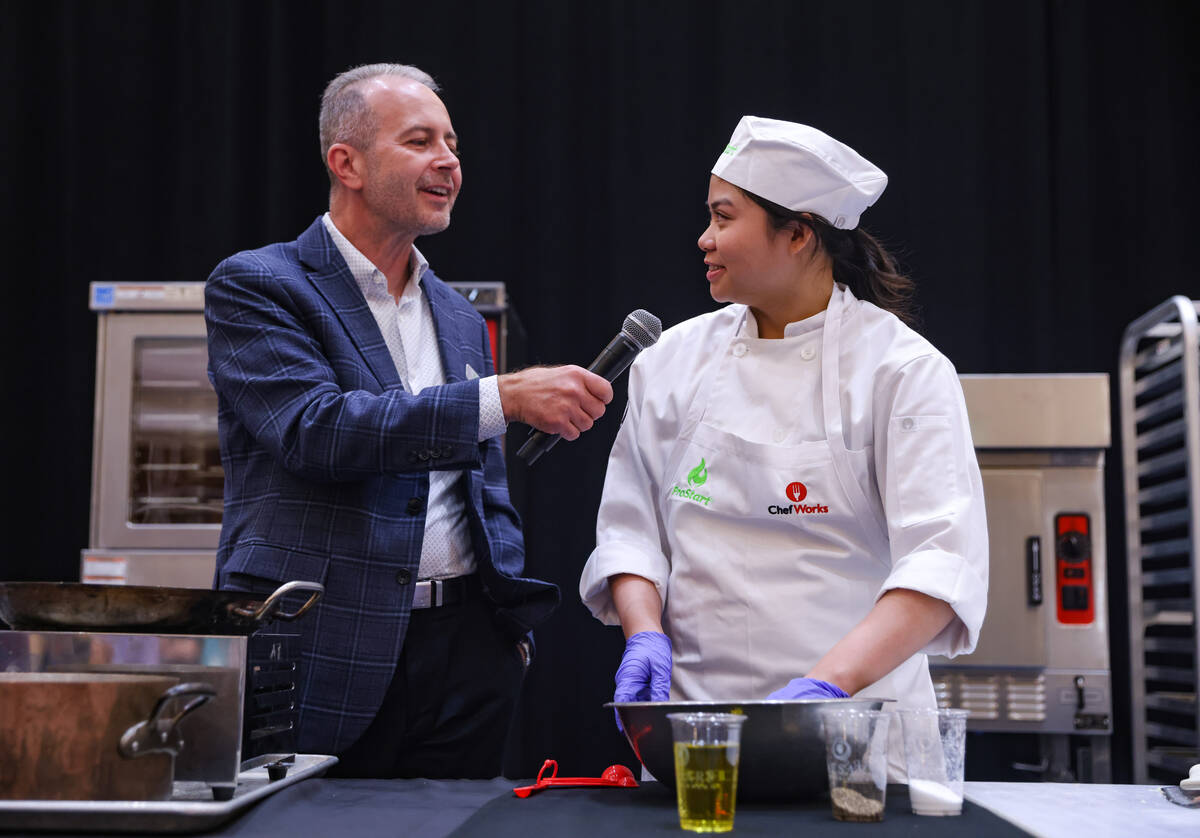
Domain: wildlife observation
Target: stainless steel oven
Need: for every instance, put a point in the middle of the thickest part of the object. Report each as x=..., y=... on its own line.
x=1042, y=664
x=157, y=481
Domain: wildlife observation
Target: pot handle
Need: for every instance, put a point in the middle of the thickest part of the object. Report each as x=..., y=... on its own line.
x=159, y=734
x=269, y=609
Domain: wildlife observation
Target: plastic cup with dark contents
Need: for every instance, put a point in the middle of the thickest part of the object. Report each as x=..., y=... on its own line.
x=856, y=756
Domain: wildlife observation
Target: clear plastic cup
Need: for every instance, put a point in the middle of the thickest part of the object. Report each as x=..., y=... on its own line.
x=707, y=750
x=856, y=755
x=935, y=748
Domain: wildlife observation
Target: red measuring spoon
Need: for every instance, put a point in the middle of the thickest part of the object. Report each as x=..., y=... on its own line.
x=614, y=775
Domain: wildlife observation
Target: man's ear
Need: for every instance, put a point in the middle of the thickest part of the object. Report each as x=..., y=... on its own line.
x=347, y=164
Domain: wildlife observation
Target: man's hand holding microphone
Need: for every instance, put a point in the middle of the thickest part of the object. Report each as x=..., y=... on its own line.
x=563, y=402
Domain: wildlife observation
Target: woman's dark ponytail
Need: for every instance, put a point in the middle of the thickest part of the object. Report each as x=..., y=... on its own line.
x=859, y=260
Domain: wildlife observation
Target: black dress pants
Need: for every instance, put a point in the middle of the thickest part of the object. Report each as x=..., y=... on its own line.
x=448, y=709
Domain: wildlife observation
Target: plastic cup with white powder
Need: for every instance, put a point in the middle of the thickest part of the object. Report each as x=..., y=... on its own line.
x=935, y=742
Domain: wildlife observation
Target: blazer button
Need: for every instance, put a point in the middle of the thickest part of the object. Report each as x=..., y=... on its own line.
x=415, y=505
x=424, y=455
x=403, y=577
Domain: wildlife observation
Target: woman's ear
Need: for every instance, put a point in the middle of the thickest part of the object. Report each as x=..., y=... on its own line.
x=801, y=236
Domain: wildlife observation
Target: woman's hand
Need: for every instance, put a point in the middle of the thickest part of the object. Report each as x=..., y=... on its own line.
x=645, y=670
x=808, y=688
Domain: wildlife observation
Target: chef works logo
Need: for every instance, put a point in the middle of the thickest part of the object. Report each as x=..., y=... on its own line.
x=696, y=478
x=796, y=493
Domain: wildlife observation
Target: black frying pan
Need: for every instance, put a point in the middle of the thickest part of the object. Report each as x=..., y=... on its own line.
x=72, y=606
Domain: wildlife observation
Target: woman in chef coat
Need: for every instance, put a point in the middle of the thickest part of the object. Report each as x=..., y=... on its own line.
x=792, y=507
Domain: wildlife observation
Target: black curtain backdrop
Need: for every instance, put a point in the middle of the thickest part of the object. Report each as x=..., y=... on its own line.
x=1042, y=171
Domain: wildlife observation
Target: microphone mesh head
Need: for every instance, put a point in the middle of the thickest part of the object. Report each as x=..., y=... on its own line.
x=642, y=327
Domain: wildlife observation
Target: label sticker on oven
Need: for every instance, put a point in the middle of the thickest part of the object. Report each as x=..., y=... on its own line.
x=105, y=570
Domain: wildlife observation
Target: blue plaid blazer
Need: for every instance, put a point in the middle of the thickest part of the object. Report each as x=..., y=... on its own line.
x=327, y=460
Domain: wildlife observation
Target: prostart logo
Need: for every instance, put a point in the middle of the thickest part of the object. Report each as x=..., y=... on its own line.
x=796, y=492
x=696, y=478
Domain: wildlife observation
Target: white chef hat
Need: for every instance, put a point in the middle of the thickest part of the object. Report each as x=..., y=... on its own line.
x=801, y=169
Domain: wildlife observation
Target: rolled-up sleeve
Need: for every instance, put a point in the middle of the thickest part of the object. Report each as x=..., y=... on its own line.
x=932, y=494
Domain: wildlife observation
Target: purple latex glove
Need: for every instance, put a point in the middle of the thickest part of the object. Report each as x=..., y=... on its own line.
x=808, y=688
x=645, y=670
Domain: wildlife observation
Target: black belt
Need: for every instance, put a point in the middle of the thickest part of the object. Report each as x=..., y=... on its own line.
x=434, y=593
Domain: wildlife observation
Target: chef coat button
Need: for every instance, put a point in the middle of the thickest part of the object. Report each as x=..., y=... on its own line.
x=808, y=353
x=415, y=505
x=739, y=349
x=403, y=577
x=779, y=434
x=907, y=423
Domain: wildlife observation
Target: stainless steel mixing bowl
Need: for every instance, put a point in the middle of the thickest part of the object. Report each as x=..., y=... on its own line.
x=783, y=748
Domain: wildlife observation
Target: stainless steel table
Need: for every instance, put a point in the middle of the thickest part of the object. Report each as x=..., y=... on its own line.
x=1073, y=810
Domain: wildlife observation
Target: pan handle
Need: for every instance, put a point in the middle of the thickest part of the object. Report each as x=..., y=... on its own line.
x=270, y=608
x=159, y=733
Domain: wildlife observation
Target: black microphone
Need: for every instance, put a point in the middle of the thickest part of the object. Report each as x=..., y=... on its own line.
x=640, y=330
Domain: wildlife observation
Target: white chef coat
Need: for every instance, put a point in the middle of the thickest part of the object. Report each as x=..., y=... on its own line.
x=853, y=423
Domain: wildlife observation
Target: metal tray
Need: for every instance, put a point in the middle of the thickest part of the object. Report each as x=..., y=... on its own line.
x=191, y=809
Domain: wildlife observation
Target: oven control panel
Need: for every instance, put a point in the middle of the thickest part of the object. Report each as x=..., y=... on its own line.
x=1073, y=563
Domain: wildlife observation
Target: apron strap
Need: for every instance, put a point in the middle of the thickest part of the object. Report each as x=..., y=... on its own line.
x=831, y=405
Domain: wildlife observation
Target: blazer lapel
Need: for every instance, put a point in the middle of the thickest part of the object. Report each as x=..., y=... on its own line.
x=450, y=339
x=336, y=284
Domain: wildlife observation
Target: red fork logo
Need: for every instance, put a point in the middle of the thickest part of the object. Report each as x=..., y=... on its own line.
x=797, y=491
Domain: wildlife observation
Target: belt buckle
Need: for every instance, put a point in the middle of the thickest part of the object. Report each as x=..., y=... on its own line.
x=429, y=593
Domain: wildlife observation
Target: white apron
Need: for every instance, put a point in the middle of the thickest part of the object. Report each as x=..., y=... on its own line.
x=757, y=596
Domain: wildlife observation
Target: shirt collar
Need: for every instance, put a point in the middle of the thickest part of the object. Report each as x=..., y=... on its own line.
x=364, y=271
x=749, y=327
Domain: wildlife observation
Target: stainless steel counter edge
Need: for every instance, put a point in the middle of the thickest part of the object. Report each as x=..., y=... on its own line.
x=1095, y=810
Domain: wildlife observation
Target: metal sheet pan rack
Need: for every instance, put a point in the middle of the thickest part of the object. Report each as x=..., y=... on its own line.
x=1159, y=369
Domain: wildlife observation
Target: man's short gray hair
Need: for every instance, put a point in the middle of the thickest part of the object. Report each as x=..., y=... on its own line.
x=345, y=115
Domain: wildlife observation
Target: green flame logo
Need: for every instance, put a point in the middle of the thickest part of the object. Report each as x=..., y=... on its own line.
x=698, y=475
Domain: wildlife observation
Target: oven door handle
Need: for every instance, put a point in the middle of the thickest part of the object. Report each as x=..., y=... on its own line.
x=1033, y=567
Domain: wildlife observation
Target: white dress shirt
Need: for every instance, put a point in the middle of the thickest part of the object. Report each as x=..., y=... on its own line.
x=411, y=338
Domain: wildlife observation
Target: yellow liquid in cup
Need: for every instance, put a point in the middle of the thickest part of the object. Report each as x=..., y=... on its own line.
x=706, y=785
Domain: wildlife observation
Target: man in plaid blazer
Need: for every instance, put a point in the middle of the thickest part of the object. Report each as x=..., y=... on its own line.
x=359, y=423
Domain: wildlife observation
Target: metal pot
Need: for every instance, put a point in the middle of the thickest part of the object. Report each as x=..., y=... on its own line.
x=73, y=606
x=90, y=736
x=212, y=735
